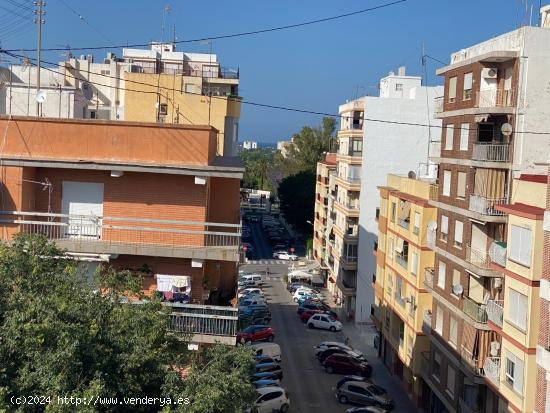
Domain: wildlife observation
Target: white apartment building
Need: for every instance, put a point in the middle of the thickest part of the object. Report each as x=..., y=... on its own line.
x=396, y=140
x=248, y=145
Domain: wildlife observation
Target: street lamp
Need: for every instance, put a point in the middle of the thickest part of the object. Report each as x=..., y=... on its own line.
x=309, y=222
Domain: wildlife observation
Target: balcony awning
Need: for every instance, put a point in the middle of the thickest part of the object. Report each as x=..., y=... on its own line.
x=166, y=283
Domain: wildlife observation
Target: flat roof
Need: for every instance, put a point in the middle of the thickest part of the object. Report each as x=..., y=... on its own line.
x=522, y=210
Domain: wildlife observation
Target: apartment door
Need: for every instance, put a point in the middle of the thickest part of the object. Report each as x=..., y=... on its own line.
x=478, y=244
x=488, y=91
x=83, y=203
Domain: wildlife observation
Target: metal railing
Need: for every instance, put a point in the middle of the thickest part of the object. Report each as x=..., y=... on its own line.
x=434, y=192
x=490, y=98
x=475, y=311
x=493, y=152
x=126, y=230
x=204, y=319
x=402, y=260
x=213, y=73
x=491, y=367
x=477, y=257
x=486, y=206
x=495, y=311
x=429, y=277
x=403, y=223
x=354, y=180
x=497, y=252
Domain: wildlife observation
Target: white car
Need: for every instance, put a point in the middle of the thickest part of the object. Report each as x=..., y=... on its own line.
x=272, y=399
x=325, y=322
x=300, y=292
x=324, y=345
x=251, y=291
x=283, y=255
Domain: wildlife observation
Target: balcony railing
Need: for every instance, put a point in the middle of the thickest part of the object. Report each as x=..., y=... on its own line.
x=403, y=223
x=492, y=152
x=470, y=360
x=206, y=324
x=434, y=192
x=429, y=277
x=353, y=180
x=475, y=311
x=103, y=234
x=497, y=252
x=479, y=258
x=402, y=260
x=495, y=311
x=486, y=206
x=490, y=98
x=491, y=367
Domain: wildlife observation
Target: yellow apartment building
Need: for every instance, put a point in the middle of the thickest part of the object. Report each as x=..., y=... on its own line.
x=404, y=259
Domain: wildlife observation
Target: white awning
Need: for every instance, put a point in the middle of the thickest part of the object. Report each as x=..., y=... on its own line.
x=166, y=282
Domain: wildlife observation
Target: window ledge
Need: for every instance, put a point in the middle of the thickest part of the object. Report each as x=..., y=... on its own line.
x=522, y=330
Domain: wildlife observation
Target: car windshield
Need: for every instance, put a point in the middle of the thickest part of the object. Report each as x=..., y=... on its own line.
x=378, y=391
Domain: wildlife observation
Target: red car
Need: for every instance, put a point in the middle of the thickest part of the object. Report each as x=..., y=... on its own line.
x=346, y=364
x=255, y=333
x=308, y=313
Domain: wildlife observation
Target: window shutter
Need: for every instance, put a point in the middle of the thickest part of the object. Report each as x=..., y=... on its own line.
x=447, y=183
x=468, y=81
x=414, y=263
x=458, y=231
x=461, y=185
x=515, y=243
x=441, y=275
x=525, y=252
x=444, y=224
x=452, y=88
x=417, y=220
x=464, y=132
x=449, y=137
x=522, y=310
x=518, y=375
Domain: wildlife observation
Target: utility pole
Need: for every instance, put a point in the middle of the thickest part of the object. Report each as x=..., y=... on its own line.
x=39, y=21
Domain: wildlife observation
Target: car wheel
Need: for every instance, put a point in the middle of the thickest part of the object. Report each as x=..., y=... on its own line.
x=329, y=369
x=284, y=408
x=343, y=399
x=332, y=328
x=310, y=325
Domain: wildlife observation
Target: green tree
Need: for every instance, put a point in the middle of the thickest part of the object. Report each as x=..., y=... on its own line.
x=61, y=336
x=309, y=145
x=297, y=196
x=258, y=163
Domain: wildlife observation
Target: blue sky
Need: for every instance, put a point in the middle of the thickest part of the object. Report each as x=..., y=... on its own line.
x=315, y=67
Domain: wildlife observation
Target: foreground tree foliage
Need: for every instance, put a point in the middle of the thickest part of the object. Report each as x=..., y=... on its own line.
x=61, y=337
x=297, y=199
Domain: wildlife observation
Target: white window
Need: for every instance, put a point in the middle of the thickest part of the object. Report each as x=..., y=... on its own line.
x=459, y=225
x=437, y=366
x=416, y=228
x=399, y=87
x=391, y=249
x=464, y=132
x=444, y=227
x=461, y=185
x=447, y=183
x=467, y=95
x=414, y=263
x=520, y=245
x=442, y=275
x=449, y=137
x=517, y=309
x=514, y=372
x=452, y=89
x=451, y=380
x=439, y=321
x=453, y=331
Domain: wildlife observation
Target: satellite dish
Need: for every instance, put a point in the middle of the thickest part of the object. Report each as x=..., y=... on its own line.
x=41, y=96
x=432, y=225
x=506, y=129
x=87, y=91
x=458, y=289
x=157, y=105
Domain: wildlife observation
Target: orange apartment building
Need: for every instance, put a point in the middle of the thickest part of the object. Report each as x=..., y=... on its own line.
x=139, y=196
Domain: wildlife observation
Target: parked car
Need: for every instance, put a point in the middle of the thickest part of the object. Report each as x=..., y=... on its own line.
x=325, y=322
x=255, y=333
x=364, y=393
x=271, y=399
x=266, y=383
x=303, y=291
x=254, y=218
x=264, y=359
x=345, y=379
x=272, y=368
x=264, y=375
x=251, y=291
x=323, y=345
x=345, y=364
x=256, y=278
x=366, y=409
x=251, y=300
x=336, y=350
x=269, y=349
x=312, y=297
x=310, y=305
x=292, y=287
x=286, y=256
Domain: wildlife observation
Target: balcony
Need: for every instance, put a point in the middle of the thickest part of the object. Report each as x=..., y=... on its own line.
x=475, y=311
x=434, y=192
x=491, y=152
x=346, y=287
x=404, y=223
x=495, y=311
x=495, y=98
x=205, y=324
x=429, y=277
x=135, y=236
x=402, y=260
x=427, y=322
x=480, y=259
x=486, y=206
x=497, y=252
x=491, y=367
x=469, y=360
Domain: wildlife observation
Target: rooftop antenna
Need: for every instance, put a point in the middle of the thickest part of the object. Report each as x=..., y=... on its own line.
x=39, y=21
x=167, y=9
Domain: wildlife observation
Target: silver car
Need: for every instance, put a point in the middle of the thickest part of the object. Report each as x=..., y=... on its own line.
x=364, y=393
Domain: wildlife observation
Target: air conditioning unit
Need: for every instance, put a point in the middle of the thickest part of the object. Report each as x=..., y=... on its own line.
x=489, y=73
x=498, y=283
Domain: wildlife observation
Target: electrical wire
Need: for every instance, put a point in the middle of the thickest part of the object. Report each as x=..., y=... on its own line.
x=242, y=101
x=231, y=35
x=83, y=19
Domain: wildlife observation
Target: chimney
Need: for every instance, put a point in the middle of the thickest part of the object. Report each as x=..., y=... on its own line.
x=545, y=16
x=401, y=71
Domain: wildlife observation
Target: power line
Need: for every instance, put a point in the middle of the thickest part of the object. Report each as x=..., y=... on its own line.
x=232, y=35
x=242, y=101
x=83, y=19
